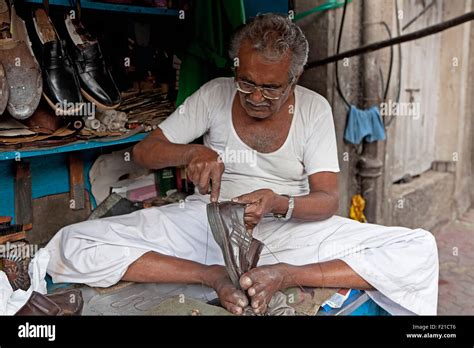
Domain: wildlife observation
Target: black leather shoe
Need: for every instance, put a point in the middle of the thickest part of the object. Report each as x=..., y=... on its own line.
x=97, y=84
x=61, y=87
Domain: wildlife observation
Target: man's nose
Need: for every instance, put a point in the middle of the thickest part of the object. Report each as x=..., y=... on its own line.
x=256, y=96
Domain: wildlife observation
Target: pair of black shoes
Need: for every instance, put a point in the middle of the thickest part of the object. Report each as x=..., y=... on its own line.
x=67, y=78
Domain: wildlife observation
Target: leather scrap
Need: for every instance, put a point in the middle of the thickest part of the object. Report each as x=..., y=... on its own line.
x=309, y=301
x=278, y=306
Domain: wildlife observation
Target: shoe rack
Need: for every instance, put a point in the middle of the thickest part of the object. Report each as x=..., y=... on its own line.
x=39, y=165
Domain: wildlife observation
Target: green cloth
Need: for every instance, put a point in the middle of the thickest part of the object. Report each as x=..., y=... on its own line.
x=206, y=57
x=328, y=5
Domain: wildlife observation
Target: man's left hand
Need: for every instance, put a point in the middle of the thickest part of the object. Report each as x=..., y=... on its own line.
x=258, y=203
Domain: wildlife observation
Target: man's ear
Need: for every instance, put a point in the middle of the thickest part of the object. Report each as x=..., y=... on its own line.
x=298, y=77
x=296, y=81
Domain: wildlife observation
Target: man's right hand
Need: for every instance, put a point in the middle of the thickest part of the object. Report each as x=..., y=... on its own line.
x=204, y=167
x=205, y=170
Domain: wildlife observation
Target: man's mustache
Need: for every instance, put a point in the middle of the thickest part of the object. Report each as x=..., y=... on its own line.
x=257, y=105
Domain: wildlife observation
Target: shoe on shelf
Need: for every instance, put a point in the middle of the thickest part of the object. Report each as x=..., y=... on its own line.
x=4, y=34
x=97, y=84
x=4, y=90
x=61, y=87
x=21, y=68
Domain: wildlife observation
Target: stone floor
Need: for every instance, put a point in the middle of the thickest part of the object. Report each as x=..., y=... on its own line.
x=456, y=257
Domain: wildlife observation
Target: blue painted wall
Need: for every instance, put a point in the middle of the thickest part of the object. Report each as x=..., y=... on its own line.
x=49, y=175
x=252, y=7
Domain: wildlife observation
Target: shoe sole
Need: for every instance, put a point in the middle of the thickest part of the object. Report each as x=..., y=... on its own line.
x=5, y=90
x=44, y=28
x=4, y=12
x=96, y=102
x=218, y=231
x=61, y=112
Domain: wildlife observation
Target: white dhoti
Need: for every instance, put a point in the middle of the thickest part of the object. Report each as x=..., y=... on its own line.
x=400, y=263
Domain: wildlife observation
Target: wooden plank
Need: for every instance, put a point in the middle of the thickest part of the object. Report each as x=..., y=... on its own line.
x=115, y=7
x=76, y=182
x=76, y=146
x=5, y=219
x=23, y=204
x=13, y=237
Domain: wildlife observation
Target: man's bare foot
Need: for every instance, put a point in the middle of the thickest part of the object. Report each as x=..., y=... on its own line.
x=233, y=299
x=261, y=284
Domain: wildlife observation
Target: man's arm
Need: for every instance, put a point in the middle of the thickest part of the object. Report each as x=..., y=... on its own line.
x=321, y=203
x=156, y=152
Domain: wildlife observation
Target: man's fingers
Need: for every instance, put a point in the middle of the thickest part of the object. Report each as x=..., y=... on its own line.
x=190, y=173
x=216, y=176
x=246, y=198
x=203, y=183
x=194, y=172
x=251, y=208
x=250, y=221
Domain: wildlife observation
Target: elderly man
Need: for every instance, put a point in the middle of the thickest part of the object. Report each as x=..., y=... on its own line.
x=288, y=183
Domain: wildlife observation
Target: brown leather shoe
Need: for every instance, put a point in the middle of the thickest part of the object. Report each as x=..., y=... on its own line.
x=241, y=251
x=39, y=305
x=4, y=90
x=68, y=302
x=21, y=68
x=4, y=34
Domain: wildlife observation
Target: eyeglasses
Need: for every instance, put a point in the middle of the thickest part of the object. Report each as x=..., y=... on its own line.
x=267, y=93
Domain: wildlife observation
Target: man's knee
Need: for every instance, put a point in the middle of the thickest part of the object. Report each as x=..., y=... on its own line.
x=428, y=241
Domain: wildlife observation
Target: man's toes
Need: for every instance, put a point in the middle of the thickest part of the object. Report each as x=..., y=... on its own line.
x=260, y=309
x=242, y=302
x=237, y=298
x=259, y=299
x=235, y=302
x=246, y=281
x=255, y=289
x=234, y=309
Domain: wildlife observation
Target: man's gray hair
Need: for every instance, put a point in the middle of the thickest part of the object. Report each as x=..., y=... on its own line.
x=274, y=36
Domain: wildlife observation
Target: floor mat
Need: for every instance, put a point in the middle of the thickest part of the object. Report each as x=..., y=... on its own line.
x=142, y=299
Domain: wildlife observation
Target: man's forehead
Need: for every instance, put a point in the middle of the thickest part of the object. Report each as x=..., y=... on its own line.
x=254, y=66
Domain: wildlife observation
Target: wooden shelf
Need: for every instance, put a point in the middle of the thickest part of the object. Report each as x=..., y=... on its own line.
x=75, y=146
